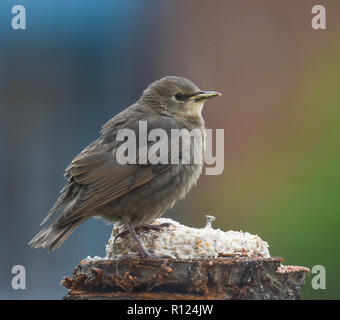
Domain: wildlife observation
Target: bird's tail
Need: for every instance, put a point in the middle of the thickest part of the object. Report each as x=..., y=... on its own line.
x=53, y=236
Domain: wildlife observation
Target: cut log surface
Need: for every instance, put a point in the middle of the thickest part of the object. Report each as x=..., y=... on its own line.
x=222, y=278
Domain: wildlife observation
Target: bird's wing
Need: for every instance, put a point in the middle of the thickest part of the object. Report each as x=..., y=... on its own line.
x=103, y=180
x=99, y=178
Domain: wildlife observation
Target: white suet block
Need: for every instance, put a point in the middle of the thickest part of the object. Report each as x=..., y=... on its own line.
x=182, y=242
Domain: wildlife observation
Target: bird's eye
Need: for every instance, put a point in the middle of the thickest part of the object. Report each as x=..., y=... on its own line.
x=180, y=96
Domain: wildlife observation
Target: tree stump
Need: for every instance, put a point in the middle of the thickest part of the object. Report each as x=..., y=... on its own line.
x=222, y=278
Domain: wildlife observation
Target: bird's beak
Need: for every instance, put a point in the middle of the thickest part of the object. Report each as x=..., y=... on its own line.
x=204, y=95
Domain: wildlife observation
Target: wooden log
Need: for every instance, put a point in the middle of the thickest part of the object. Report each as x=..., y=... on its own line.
x=221, y=278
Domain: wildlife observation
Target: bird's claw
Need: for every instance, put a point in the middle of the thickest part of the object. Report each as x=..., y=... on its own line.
x=145, y=227
x=156, y=227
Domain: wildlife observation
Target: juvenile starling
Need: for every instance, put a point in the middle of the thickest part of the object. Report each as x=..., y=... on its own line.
x=131, y=194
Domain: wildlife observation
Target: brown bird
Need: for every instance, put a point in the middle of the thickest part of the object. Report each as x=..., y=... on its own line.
x=131, y=194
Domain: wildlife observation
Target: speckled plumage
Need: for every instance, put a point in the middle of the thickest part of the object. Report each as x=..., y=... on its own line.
x=134, y=193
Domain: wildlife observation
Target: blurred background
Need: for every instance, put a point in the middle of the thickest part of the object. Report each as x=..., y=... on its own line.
x=79, y=63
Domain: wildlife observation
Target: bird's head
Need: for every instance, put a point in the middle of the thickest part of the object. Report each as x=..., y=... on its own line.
x=177, y=96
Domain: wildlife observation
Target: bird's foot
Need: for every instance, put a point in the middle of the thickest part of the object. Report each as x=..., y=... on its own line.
x=144, y=227
x=143, y=252
x=156, y=227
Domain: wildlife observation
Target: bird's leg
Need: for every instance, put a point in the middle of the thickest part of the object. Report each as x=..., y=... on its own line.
x=142, y=251
x=145, y=227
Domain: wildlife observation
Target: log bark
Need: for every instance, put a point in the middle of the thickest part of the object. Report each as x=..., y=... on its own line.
x=222, y=278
